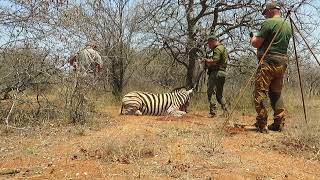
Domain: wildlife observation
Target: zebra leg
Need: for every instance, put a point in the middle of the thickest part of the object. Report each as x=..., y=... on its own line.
x=179, y=113
x=175, y=112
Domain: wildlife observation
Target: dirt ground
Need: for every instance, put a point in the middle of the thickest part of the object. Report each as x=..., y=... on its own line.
x=132, y=147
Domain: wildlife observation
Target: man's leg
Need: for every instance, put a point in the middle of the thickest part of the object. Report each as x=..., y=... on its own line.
x=221, y=79
x=262, y=82
x=211, y=92
x=276, y=99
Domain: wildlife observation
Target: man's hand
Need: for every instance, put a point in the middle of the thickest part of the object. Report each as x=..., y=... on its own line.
x=207, y=61
x=202, y=60
x=256, y=41
x=72, y=60
x=98, y=67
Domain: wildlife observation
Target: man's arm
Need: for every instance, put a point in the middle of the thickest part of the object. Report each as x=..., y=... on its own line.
x=73, y=61
x=98, y=61
x=214, y=59
x=256, y=41
x=209, y=61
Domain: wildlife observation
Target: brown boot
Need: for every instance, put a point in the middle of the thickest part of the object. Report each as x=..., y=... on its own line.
x=261, y=126
x=212, y=115
x=277, y=125
x=212, y=111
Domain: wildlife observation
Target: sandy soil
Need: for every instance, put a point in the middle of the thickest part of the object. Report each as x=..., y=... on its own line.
x=132, y=147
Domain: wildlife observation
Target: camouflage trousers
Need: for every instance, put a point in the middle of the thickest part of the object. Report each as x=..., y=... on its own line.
x=215, y=87
x=269, y=83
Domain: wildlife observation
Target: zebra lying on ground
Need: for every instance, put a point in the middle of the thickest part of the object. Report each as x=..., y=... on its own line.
x=174, y=103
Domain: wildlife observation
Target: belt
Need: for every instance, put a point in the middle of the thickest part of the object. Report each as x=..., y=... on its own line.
x=275, y=59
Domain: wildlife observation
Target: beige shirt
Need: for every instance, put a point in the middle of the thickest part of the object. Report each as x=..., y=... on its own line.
x=87, y=60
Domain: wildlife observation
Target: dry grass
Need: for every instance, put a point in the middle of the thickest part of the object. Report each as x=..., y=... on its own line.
x=301, y=138
x=199, y=101
x=209, y=143
x=297, y=139
x=125, y=151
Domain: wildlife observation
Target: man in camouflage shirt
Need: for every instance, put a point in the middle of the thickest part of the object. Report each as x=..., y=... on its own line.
x=216, y=62
x=270, y=73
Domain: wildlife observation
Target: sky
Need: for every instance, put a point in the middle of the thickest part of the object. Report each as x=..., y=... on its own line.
x=4, y=34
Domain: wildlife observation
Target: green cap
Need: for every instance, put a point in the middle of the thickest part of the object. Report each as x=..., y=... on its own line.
x=212, y=37
x=271, y=5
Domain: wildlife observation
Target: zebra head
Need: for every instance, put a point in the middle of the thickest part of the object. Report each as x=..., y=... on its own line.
x=185, y=97
x=190, y=91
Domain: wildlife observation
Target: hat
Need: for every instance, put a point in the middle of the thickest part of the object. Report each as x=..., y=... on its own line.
x=271, y=5
x=212, y=37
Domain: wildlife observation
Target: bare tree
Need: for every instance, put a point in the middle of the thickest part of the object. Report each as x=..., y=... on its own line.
x=25, y=63
x=183, y=25
x=112, y=24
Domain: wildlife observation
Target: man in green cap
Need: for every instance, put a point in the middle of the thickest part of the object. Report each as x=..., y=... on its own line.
x=271, y=70
x=216, y=62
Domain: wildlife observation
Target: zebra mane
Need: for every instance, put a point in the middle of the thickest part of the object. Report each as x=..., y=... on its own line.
x=179, y=89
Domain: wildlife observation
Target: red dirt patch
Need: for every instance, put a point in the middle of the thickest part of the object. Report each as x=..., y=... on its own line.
x=188, y=147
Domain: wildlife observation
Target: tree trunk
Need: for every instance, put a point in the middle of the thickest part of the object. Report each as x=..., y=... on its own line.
x=191, y=68
x=117, y=77
x=191, y=54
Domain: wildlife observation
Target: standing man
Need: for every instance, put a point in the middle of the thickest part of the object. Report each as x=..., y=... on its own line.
x=216, y=62
x=269, y=75
x=87, y=61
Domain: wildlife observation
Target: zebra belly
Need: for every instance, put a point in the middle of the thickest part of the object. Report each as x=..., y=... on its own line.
x=150, y=111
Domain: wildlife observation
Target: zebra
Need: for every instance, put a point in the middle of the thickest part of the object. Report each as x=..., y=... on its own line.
x=174, y=103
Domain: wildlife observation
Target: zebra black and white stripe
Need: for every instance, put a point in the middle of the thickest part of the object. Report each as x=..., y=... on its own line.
x=144, y=103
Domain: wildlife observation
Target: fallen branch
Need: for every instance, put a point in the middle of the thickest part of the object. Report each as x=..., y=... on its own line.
x=12, y=106
x=9, y=171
